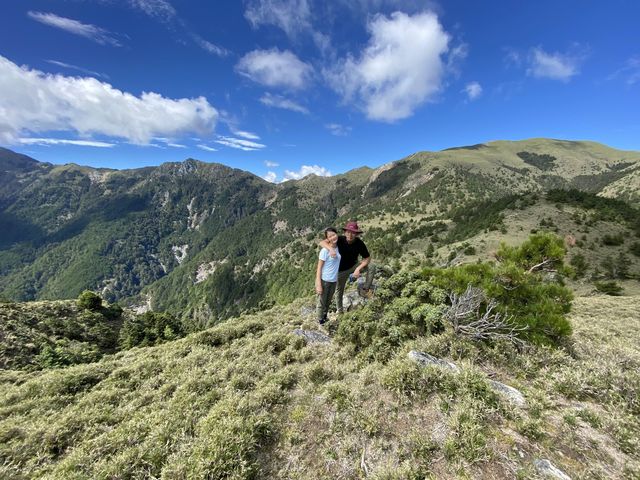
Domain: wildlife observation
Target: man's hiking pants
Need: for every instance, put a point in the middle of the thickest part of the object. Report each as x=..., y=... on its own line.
x=369, y=271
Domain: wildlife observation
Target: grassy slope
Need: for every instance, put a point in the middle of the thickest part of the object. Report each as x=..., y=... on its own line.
x=248, y=398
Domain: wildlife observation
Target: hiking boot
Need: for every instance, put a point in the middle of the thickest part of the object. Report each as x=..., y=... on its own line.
x=322, y=321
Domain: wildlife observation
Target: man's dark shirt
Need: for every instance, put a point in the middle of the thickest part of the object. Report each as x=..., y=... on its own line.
x=349, y=252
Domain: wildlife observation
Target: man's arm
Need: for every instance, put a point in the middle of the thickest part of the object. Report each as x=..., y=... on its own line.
x=366, y=259
x=325, y=244
x=363, y=263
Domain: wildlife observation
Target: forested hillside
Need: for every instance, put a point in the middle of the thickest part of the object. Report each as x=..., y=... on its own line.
x=206, y=241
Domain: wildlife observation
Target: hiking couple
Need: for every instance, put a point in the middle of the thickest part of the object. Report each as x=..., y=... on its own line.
x=338, y=262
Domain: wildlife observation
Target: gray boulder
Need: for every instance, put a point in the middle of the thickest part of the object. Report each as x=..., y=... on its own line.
x=426, y=359
x=312, y=336
x=510, y=393
x=545, y=468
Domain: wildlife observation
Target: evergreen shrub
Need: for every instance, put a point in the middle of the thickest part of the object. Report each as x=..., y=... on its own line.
x=89, y=300
x=525, y=283
x=609, y=288
x=150, y=328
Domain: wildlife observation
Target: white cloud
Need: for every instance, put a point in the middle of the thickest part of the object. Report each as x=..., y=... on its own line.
x=630, y=71
x=206, y=148
x=240, y=144
x=512, y=57
x=401, y=67
x=210, y=47
x=159, y=9
x=556, y=66
x=271, y=164
x=79, y=69
x=278, y=101
x=169, y=142
x=337, y=129
x=274, y=68
x=97, y=34
x=473, y=90
x=88, y=106
x=247, y=135
x=306, y=170
x=271, y=177
x=59, y=141
x=292, y=16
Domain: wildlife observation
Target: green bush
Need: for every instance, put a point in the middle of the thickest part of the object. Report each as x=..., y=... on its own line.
x=89, y=300
x=579, y=264
x=609, y=288
x=613, y=240
x=525, y=284
x=150, y=328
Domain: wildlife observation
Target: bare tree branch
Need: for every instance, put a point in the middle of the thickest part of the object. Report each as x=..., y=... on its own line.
x=467, y=319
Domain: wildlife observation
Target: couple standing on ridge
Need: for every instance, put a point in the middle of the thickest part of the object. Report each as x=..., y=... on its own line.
x=337, y=262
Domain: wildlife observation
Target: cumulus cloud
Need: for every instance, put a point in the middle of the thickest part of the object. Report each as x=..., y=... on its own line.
x=59, y=141
x=338, y=130
x=271, y=177
x=271, y=164
x=97, y=34
x=274, y=68
x=401, y=67
x=555, y=66
x=473, y=90
x=240, y=143
x=306, y=170
x=278, y=101
x=88, y=106
x=292, y=16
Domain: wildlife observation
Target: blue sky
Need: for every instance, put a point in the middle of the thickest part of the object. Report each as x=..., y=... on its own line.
x=283, y=88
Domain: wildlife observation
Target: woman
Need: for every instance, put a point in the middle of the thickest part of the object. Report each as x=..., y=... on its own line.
x=327, y=274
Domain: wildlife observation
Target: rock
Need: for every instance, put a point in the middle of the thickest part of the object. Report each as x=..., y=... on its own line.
x=351, y=300
x=547, y=469
x=510, y=393
x=307, y=310
x=312, y=336
x=426, y=359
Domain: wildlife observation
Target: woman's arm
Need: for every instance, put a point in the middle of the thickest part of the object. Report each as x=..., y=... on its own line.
x=319, y=277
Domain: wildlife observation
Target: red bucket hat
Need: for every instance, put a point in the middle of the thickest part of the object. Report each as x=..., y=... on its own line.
x=352, y=227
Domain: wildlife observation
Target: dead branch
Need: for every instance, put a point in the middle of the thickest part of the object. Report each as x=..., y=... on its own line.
x=541, y=266
x=467, y=319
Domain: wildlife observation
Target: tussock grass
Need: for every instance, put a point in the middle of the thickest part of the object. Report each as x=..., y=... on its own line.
x=248, y=399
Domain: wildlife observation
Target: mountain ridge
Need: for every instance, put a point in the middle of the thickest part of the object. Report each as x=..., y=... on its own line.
x=196, y=237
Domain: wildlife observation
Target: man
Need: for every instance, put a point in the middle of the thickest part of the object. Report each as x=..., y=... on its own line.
x=351, y=247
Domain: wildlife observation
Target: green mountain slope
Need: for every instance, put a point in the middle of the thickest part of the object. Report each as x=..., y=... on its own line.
x=208, y=242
